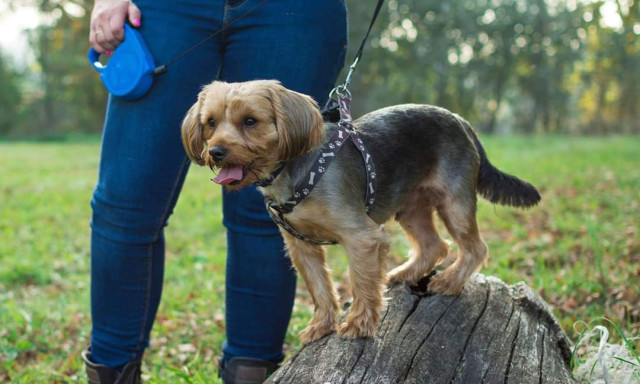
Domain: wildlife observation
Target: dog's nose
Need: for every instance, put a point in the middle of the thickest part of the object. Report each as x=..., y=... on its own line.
x=217, y=152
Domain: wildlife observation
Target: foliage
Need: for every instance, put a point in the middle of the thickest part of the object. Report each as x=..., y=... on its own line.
x=9, y=95
x=512, y=65
x=579, y=249
x=64, y=94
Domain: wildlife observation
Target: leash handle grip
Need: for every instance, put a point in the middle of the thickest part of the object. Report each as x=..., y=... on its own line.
x=129, y=72
x=94, y=59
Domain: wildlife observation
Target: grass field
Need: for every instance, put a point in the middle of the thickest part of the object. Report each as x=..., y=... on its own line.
x=580, y=249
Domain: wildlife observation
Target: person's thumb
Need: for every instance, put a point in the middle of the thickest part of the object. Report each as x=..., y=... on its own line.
x=134, y=15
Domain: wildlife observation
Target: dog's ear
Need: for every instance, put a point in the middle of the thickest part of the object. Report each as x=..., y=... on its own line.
x=298, y=122
x=192, y=132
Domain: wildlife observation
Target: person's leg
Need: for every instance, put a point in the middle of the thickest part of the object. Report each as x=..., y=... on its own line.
x=142, y=168
x=302, y=44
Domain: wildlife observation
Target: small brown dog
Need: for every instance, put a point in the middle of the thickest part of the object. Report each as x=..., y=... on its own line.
x=427, y=160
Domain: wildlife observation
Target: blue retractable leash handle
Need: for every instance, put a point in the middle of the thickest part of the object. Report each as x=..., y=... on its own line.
x=130, y=70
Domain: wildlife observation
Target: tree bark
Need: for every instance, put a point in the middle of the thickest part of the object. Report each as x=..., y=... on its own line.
x=491, y=333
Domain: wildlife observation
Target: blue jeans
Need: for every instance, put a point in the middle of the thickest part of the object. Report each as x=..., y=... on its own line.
x=143, y=166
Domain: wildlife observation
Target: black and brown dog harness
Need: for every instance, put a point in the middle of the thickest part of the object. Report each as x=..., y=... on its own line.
x=329, y=151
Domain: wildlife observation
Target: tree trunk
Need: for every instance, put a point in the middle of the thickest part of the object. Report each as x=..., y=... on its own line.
x=491, y=333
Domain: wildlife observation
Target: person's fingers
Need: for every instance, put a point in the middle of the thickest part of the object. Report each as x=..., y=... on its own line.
x=96, y=38
x=107, y=24
x=93, y=38
x=106, y=39
x=116, y=26
x=134, y=15
x=108, y=43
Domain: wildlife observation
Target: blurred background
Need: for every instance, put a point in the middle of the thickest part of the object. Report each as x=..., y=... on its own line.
x=506, y=65
x=552, y=85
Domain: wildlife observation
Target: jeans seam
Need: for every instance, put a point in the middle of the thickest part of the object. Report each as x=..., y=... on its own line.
x=232, y=7
x=163, y=218
x=147, y=300
x=223, y=37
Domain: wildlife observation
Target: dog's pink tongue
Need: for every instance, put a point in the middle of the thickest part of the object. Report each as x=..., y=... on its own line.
x=229, y=174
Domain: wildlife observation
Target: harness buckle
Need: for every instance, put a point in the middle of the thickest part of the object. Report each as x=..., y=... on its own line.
x=281, y=208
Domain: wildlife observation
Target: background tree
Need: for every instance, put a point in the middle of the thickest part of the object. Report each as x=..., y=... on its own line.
x=66, y=94
x=506, y=65
x=10, y=96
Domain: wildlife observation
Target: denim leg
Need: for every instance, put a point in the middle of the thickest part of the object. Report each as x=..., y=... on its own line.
x=302, y=44
x=259, y=295
x=142, y=169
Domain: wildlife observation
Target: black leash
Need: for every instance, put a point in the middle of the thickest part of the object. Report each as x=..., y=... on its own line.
x=161, y=69
x=352, y=68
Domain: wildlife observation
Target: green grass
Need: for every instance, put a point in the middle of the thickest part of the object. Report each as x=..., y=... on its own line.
x=580, y=249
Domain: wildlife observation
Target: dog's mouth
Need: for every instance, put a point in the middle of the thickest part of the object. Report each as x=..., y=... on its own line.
x=233, y=174
x=230, y=175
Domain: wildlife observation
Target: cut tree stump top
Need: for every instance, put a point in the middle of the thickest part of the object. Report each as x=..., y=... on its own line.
x=491, y=333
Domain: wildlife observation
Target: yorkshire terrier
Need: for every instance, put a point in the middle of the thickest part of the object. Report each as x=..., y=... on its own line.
x=427, y=160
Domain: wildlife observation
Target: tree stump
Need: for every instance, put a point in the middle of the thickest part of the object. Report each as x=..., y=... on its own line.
x=491, y=333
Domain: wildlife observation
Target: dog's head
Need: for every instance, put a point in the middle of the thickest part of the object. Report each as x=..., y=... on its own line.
x=246, y=129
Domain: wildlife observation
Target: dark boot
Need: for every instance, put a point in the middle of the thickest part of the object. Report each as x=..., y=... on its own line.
x=242, y=370
x=101, y=374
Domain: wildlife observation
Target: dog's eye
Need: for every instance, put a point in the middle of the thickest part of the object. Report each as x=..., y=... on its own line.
x=250, y=122
x=212, y=123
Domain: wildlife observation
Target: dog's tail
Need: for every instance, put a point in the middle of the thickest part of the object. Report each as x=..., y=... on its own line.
x=499, y=187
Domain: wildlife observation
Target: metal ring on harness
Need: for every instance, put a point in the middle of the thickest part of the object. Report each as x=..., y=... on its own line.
x=340, y=90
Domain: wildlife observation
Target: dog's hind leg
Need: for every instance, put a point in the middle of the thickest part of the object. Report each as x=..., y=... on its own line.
x=427, y=248
x=309, y=260
x=459, y=216
x=367, y=250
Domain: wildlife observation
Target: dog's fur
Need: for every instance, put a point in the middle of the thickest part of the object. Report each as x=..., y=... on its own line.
x=427, y=160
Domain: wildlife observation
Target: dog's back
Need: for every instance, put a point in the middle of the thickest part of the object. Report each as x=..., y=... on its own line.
x=430, y=160
x=411, y=143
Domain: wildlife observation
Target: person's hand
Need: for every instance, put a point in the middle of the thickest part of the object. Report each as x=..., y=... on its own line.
x=107, y=23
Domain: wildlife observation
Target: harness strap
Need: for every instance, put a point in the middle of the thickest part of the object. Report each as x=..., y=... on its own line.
x=344, y=132
x=327, y=154
x=274, y=174
x=370, y=169
x=279, y=219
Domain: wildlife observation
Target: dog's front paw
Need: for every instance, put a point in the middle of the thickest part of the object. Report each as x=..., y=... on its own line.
x=361, y=323
x=316, y=330
x=356, y=329
x=447, y=283
x=401, y=274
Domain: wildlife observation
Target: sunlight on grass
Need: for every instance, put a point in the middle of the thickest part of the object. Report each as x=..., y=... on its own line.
x=579, y=249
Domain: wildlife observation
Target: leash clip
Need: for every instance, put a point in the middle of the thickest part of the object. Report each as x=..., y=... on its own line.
x=352, y=69
x=341, y=91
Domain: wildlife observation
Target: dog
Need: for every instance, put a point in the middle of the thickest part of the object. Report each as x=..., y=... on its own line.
x=428, y=160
